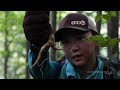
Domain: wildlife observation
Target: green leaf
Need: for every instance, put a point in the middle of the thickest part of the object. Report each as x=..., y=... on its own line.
x=107, y=17
x=98, y=17
x=113, y=13
x=103, y=41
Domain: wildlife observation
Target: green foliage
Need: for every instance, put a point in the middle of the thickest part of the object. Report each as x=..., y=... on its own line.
x=103, y=41
x=112, y=13
x=60, y=54
x=11, y=22
x=106, y=15
x=98, y=17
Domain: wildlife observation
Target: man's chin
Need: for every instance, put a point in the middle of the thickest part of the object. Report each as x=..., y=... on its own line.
x=79, y=64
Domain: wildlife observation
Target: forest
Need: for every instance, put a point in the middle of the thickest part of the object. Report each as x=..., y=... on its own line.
x=14, y=46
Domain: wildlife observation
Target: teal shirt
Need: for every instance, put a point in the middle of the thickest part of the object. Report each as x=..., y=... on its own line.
x=68, y=71
x=48, y=69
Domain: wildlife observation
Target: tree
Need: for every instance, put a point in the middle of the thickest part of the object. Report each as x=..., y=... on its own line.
x=6, y=46
x=98, y=26
x=112, y=26
x=12, y=48
x=53, y=24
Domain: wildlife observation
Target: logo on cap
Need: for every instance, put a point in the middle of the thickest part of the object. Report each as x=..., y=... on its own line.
x=78, y=22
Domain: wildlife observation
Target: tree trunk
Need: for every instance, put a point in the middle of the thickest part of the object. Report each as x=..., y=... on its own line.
x=98, y=26
x=6, y=47
x=98, y=23
x=112, y=26
x=52, y=55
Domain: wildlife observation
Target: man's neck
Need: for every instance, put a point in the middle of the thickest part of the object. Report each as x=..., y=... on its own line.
x=87, y=69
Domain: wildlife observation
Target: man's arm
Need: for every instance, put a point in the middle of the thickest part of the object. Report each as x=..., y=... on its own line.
x=41, y=71
x=37, y=30
x=46, y=69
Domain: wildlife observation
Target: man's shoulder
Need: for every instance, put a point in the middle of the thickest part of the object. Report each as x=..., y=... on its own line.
x=111, y=68
x=103, y=59
x=111, y=63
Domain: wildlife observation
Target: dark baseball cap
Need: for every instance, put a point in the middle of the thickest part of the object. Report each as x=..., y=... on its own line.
x=75, y=21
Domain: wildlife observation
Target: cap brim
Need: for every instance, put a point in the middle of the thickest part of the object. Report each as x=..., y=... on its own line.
x=60, y=31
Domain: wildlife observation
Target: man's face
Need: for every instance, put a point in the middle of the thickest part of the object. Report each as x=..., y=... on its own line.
x=78, y=51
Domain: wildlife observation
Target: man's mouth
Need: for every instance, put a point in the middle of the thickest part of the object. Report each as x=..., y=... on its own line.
x=76, y=56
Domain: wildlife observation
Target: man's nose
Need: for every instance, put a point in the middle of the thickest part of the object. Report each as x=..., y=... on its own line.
x=74, y=47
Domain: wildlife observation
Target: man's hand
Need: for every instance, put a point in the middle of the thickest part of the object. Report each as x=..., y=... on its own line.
x=37, y=27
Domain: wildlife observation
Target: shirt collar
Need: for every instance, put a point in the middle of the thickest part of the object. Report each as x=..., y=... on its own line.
x=70, y=72
x=98, y=72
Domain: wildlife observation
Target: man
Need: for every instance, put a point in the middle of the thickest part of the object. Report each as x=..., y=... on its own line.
x=81, y=61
